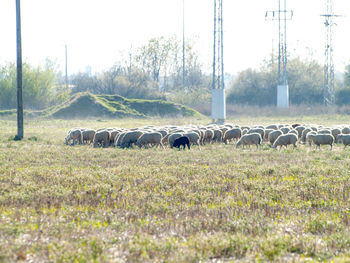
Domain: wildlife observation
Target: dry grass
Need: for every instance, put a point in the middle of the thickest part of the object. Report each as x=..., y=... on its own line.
x=62, y=204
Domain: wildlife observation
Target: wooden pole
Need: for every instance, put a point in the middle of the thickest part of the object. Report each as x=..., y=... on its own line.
x=19, y=73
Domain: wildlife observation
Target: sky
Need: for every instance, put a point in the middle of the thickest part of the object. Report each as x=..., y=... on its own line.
x=98, y=32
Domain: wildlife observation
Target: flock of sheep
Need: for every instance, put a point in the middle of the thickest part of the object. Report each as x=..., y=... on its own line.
x=175, y=136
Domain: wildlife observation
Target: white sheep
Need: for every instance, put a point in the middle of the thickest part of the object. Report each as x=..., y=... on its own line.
x=344, y=139
x=232, y=134
x=88, y=136
x=322, y=139
x=130, y=138
x=101, y=138
x=193, y=137
x=274, y=135
x=75, y=136
x=285, y=140
x=261, y=131
x=250, y=139
x=152, y=138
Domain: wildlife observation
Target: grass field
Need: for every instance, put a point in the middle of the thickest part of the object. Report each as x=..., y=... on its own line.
x=79, y=204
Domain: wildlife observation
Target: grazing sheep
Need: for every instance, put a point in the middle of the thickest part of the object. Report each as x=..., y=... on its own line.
x=261, y=131
x=294, y=132
x=250, y=139
x=345, y=130
x=113, y=135
x=274, y=135
x=217, y=135
x=232, y=134
x=322, y=139
x=285, y=130
x=101, y=138
x=300, y=129
x=118, y=139
x=324, y=131
x=272, y=126
x=308, y=138
x=130, y=138
x=193, y=137
x=153, y=138
x=88, y=136
x=172, y=138
x=304, y=134
x=208, y=136
x=335, y=132
x=183, y=140
x=244, y=131
x=267, y=132
x=344, y=139
x=75, y=136
x=285, y=140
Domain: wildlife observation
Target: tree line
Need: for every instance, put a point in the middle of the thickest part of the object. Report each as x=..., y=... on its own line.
x=154, y=71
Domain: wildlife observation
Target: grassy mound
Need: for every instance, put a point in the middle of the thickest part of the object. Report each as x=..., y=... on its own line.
x=84, y=105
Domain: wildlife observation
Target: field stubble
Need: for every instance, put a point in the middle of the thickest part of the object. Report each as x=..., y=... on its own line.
x=60, y=203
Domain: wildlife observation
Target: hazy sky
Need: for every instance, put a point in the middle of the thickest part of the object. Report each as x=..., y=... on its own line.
x=97, y=32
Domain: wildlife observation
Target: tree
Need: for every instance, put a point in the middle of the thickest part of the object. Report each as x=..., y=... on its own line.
x=39, y=86
x=258, y=87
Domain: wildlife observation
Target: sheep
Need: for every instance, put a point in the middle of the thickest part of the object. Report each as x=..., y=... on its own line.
x=234, y=133
x=293, y=132
x=172, y=138
x=250, y=139
x=113, y=135
x=324, y=131
x=217, y=135
x=244, y=131
x=118, y=139
x=335, y=132
x=75, y=136
x=345, y=130
x=208, y=136
x=344, y=139
x=267, y=132
x=300, y=129
x=154, y=138
x=88, y=136
x=308, y=138
x=274, y=135
x=130, y=138
x=183, y=140
x=261, y=131
x=285, y=130
x=322, y=139
x=304, y=134
x=193, y=137
x=285, y=140
x=295, y=125
x=272, y=126
x=101, y=138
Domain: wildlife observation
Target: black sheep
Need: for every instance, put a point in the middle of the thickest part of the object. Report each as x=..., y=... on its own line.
x=183, y=140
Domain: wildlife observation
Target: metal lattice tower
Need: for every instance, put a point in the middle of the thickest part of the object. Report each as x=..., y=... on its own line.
x=328, y=82
x=218, y=104
x=282, y=14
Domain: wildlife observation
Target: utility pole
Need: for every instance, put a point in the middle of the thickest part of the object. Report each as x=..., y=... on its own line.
x=282, y=85
x=218, y=103
x=328, y=80
x=19, y=135
x=183, y=46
